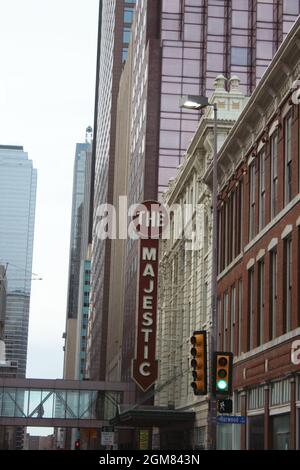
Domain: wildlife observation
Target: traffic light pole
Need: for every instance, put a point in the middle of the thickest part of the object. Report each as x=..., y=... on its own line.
x=212, y=402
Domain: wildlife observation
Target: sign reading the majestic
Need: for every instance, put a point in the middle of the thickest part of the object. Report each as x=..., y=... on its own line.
x=149, y=221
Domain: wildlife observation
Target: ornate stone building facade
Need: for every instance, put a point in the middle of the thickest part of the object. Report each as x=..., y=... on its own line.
x=185, y=269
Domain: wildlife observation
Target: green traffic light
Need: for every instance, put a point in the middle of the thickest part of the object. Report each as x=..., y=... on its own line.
x=222, y=385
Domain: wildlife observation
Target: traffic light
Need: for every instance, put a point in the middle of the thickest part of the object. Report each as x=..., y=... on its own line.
x=222, y=373
x=77, y=444
x=199, y=362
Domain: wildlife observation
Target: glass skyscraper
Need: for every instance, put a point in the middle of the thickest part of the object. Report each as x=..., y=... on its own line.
x=201, y=39
x=77, y=220
x=18, y=181
x=76, y=227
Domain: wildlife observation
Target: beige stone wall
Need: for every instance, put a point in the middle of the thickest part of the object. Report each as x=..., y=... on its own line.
x=118, y=247
x=70, y=349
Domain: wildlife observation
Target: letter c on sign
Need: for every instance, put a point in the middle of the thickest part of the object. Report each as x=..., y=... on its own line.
x=143, y=366
x=295, y=353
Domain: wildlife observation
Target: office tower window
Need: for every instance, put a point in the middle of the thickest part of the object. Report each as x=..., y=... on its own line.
x=273, y=293
x=274, y=173
x=287, y=283
x=261, y=302
x=128, y=15
x=288, y=157
x=252, y=187
x=239, y=56
x=250, y=307
x=262, y=189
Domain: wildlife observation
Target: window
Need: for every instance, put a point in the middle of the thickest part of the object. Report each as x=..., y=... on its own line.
x=274, y=173
x=273, y=293
x=256, y=432
x=240, y=315
x=261, y=303
x=219, y=313
x=225, y=316
x=288, y=157
x=128, y=15
x=280, y=392
x=239, y=56
x=126, y=35
x=251, y=201
x=288, y=283
x=256, y=398
x=239, y=219
x=232, y=226
x=250, y=307
x=262, y=192
x=220, y=241
x=200, y=438
x=281, y=432
x=226, y=233
x=232, y=317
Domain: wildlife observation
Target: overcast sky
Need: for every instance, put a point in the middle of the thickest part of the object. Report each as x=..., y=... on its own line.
x=47, y=85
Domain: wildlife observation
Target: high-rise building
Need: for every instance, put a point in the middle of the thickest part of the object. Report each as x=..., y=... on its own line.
x=3, y=288
x=85, y=270
x=114, y=35
x=18, y=181
x=79, y=175
x=118, y=246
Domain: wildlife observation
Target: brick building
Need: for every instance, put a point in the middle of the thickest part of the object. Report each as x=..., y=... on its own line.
x=259, y=257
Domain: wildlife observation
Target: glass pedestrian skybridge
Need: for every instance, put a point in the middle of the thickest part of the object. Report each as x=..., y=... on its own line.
x=60, y=403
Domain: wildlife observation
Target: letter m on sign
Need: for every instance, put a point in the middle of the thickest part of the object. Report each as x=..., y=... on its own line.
x=149, y=254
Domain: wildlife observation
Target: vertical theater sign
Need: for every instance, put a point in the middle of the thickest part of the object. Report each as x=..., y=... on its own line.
x=149, y=221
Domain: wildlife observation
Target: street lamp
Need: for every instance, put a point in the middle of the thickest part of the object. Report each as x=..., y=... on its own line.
x=197, y=103
x=194, y=102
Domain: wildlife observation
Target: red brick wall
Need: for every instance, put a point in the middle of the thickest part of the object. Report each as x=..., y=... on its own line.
x=278, y=357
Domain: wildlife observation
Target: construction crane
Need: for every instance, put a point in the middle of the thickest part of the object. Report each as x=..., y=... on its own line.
x=33, y=277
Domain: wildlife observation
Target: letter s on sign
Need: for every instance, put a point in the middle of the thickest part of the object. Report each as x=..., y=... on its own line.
x=295, y=353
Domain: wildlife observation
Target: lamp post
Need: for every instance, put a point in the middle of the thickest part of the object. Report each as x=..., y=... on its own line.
x=197, y=103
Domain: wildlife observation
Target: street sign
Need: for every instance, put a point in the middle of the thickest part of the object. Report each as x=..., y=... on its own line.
x=231, y=419
x=107, y=438
x=225, y=406
x=107, y=429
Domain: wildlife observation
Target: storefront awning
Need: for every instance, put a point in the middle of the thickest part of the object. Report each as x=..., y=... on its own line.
x=158, y=416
